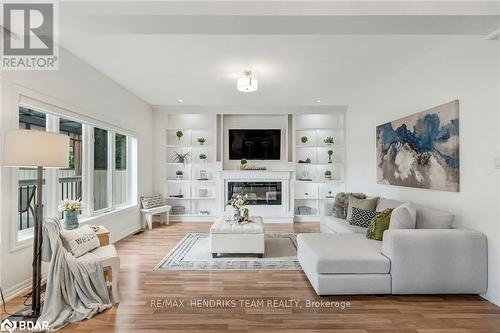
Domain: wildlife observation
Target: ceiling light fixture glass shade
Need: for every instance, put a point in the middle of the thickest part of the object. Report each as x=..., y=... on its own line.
x=247, y=83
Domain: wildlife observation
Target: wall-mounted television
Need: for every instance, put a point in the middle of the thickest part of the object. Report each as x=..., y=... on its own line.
x=255, y=144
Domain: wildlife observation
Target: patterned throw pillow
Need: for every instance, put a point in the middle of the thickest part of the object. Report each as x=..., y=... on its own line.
x=361, y=217
x=153, y=201
x=379, y=224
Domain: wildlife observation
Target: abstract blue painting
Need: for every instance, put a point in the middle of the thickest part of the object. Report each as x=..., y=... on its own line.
x=421, y=150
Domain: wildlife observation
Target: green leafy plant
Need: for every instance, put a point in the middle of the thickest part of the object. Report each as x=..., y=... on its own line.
x=243, y=162
x=202, y=157
x=180, y=158
x=328, y=174
x=308, y=160
x=330, y=153
x=201, y=141
x=304, y=139
x=179, y=173
x=179, y=134
x=329, y=141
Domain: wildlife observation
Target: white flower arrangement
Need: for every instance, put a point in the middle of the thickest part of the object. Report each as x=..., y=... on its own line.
x=237, y=203
x=70, y=205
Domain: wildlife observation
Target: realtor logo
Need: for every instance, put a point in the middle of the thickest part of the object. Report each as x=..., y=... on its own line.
x=29, y=31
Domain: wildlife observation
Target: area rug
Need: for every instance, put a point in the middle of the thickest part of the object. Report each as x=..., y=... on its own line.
x=193, y=253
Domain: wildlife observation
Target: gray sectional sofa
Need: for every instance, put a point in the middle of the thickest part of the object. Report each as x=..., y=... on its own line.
x=433, y=258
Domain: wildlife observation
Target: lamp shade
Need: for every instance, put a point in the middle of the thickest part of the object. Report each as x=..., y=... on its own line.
x=27, y=148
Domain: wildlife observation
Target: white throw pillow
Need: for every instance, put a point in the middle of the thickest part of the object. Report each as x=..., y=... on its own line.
x=404, y=217
x=80, y=241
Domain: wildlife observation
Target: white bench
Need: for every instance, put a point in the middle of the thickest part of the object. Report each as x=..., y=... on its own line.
x=154, y=205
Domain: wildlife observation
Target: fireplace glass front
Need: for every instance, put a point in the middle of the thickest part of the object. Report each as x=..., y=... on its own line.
x=257, y=192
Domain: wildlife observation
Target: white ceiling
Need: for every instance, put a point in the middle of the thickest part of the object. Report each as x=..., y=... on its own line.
x=166, y=51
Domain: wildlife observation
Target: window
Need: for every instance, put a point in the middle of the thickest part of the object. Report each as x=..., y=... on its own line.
x=34, y=121
x=100, y=169
x=70, y=179
x=120, y=173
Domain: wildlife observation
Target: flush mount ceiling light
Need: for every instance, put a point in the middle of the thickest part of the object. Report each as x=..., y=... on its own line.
x=247, y=83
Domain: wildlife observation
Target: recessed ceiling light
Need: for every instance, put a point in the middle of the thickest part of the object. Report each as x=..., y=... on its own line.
x=180, y=100
x=247, y=83
x=318, y=101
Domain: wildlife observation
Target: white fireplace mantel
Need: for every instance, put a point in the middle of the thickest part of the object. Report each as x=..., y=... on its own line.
x=255, y=174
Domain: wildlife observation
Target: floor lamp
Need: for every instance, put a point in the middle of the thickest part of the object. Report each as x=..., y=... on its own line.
x=38, y=149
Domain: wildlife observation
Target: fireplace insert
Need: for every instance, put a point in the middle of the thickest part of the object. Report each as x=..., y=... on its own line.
x=257, y=192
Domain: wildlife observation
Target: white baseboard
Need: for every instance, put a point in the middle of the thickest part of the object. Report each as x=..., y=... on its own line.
x=491, y=298
x=19, y=289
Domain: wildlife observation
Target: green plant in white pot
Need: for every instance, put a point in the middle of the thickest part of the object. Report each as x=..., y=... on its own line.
x=202, y=141
x=330, y=153
x=179, y=175
x=203, y=157
x=71, y=209
x=328, y=175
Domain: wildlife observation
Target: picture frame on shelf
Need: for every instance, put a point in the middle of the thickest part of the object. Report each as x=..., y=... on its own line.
x=203, y=175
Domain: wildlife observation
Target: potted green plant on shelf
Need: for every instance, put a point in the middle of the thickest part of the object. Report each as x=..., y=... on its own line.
x=328, y=175
x=330, y=153
x=179, y=134
x=329, y=141
x=71, y=209
x=308, y=160
x=202, y=141
x=243, y=164
x=304, y=139
x=202, y=157
x=180, y=158
x=179, y=175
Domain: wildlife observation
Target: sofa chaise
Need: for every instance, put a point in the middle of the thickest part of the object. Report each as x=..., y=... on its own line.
x=433, y=258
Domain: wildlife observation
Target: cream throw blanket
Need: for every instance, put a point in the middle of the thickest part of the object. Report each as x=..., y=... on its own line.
x=76, y=289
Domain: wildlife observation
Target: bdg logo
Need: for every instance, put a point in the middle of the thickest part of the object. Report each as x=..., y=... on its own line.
x=7, y=326
x=29, y=32
x=23, y=326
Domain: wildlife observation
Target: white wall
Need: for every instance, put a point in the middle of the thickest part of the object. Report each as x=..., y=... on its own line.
x=82, y=89
x=463, y=68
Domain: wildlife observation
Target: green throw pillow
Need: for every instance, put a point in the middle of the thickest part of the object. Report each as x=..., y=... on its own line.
x=368, y=204
x=379, y=224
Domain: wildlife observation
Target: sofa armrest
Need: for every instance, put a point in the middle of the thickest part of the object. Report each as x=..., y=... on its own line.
x=431, y=261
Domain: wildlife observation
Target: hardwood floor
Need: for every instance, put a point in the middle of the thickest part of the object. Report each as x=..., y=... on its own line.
x=140, y=286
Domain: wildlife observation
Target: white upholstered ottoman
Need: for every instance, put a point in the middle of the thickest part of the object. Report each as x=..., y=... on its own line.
x=247, y=238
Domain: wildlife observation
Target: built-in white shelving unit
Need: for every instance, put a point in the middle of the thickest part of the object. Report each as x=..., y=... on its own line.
x=197, y=195
x=311, y=187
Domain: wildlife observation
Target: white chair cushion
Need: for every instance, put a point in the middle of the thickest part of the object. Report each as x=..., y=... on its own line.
x=105, y=252
x=80, y=241
x=343, y=254
x=157, y=210
x=404, y=217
